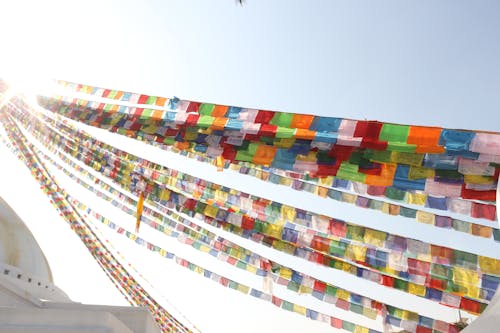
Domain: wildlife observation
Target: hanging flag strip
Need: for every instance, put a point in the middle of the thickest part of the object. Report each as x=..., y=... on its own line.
x=353, y=150
x=469, y=289
x=456, y=205
x=449, y=170
x=269, y=212
x=388, y=173
x=474, y=209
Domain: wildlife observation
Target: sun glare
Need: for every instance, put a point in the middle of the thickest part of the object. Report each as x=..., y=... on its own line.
x=29, y=85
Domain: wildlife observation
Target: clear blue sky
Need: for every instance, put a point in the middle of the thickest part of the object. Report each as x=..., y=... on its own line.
x=412, y=62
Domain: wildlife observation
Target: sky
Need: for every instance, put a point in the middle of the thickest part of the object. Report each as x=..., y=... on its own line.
x=413, y=62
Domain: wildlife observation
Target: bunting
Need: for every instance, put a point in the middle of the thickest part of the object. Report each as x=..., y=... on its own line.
x=393, y=155
x=391, y=168
x=324, y=188
x=352, y=253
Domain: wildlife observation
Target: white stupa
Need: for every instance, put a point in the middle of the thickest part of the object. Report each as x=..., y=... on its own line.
x=30, y=302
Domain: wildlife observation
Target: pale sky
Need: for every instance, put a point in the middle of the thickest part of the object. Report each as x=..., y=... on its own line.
x=412, y=62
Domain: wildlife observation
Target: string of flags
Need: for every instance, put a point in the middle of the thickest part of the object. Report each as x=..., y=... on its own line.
x=478, y=210
x=460, y=177
x=386, y=167
x=393, y=263
x=445, y=155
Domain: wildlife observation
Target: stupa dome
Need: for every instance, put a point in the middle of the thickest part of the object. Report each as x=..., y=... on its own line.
x=18, y=246
x=22, y=262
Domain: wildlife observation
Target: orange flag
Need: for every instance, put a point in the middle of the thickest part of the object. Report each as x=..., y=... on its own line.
x=140, y=207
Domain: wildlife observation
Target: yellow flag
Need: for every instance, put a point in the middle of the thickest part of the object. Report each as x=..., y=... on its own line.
x=416, y=198
x=370, y=313
x=477, y=179
x=299, y=309
x=140, y=207
x=204, y=248
x=274, y=230
x=468, y=279
x=243, y=289
x=425, y=217
x=356, y=252
x=288, y=212
x=285, y=273
x=165, y=194
x=359, y=329
x=489, y=265
x=349, y=198
x=343, y=294
x=326, y=181
x=305, y=290
x=375, y=237
x=416, y=289
x=219, y=162
x=211, y=211
x=251, y=269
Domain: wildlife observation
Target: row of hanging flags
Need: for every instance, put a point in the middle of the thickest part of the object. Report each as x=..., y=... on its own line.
x=442, y=162
x=319, y=233
x=454, y=171
x=294, y=280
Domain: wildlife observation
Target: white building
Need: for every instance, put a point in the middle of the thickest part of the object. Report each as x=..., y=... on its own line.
x=30, y=302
